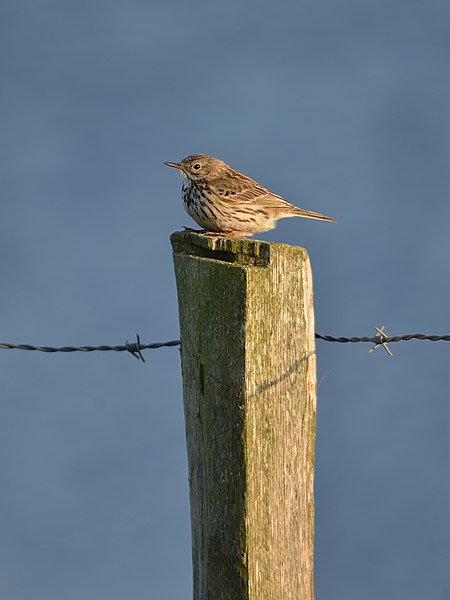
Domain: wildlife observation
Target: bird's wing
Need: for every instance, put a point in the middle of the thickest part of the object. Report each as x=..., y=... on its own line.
x=238, y=188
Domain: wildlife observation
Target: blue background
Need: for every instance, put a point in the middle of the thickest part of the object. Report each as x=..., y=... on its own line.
x=341, y=107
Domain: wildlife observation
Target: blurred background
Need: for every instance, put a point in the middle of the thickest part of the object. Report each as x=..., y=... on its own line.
x=341, y=107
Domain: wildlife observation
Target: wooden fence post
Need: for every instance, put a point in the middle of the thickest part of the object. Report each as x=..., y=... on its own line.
x=249, y=384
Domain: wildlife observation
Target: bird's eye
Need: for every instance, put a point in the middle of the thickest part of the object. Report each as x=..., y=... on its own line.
x=197, y=166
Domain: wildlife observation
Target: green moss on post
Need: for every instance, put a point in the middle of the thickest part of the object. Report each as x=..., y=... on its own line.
x=249, y=383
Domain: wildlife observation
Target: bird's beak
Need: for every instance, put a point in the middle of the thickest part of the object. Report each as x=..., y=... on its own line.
x=175, y=165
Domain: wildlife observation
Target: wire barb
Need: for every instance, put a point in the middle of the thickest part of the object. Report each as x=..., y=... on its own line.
x=134, y=348
x=380, y=340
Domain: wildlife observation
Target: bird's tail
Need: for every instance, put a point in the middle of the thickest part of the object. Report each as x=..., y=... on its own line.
x=309, y=214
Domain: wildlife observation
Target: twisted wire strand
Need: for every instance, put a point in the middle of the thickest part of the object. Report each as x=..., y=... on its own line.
x=133, y=348
x=376, y=339
x=104, y=348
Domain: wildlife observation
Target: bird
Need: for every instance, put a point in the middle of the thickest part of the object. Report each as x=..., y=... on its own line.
x=224, y=201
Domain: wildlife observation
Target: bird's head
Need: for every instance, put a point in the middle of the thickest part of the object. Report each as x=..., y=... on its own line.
x=198, y=166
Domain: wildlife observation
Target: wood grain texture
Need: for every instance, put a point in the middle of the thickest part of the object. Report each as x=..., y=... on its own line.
x=249, y=385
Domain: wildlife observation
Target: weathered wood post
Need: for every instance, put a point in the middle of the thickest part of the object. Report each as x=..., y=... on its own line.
x=249, y=382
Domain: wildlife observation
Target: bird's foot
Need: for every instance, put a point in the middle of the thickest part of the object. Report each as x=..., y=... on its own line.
x=233, y=234
x=190, y=230
x=236, y=234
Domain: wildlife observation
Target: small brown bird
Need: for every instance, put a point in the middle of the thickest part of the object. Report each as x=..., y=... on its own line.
x=226, y=202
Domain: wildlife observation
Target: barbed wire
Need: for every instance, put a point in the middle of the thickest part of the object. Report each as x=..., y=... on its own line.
x=382, y=339
x=388, y=339
x=135, y=348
